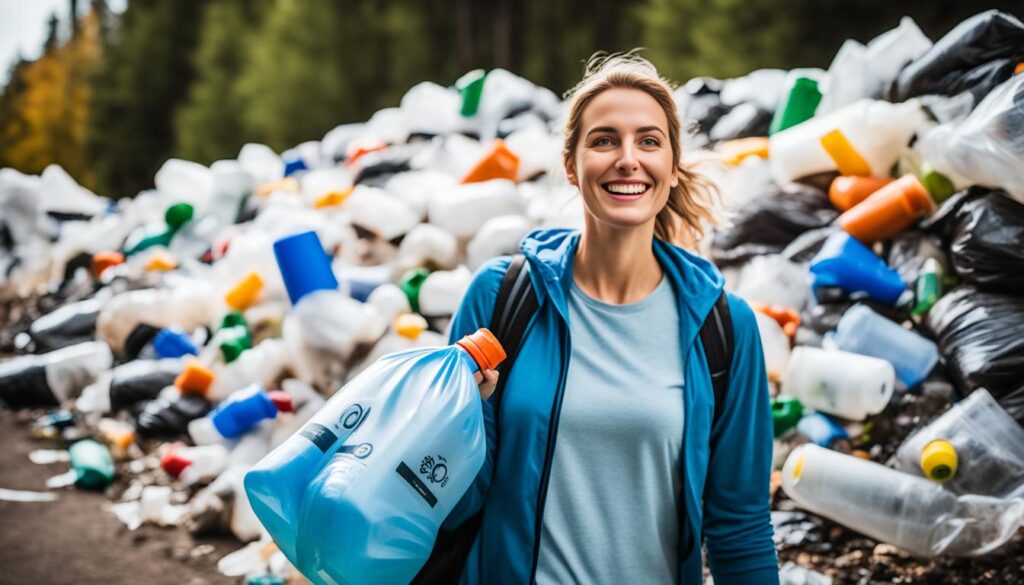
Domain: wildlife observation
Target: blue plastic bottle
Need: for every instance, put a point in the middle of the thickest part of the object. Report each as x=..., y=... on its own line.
x=358, y=494
x=305, y=266
x=850, y=265
x=864, y=331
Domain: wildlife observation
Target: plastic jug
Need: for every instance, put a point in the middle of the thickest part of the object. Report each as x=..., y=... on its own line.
x=92, y=464
x=909, y=512
x=262, y=365
x=128, y=384
x=428, y=246
x=49, y=379
x=837, y=382
x=774, y=280
x=987, y=447
x=888, y=211
x=846, y=263
x=863, y=138
x=390, y=301
x=422, y=400
x=798, y=106
x=466, y=208
x=864, y=331
x=238, y=413
x=442, y=291
x=846, y=192
x=499, y=236
x=401, y=473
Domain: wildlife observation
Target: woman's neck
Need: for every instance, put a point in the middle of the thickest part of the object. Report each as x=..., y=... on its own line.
x=616, y=265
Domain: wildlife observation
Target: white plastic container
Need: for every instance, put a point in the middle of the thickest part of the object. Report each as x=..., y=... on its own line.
x=425, y=245
x=877, y=130
x=845, y=384
x=442, y=291
x=775, y=343
x=466, y=208
x=907, y=511
x=261, y=365
x=500, y=235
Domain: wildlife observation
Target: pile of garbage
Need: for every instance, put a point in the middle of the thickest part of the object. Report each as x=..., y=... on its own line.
x=877, y=229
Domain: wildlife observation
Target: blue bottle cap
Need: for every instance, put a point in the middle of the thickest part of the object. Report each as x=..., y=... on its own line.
x=172, y=343
x=821, y=430
x=304, y=265
x=242, y=411
x=293, y=164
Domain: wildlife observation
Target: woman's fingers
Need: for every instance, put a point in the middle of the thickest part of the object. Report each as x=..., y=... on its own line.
x=488, y=381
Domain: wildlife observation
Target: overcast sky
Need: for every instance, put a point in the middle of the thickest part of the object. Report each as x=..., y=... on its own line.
x=23, y=27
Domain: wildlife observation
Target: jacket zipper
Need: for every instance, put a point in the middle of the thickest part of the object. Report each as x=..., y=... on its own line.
x=556, y=412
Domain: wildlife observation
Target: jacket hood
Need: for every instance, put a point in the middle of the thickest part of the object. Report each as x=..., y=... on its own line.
x=696, y=281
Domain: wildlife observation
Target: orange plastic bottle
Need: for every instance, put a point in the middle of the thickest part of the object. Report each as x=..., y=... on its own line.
x=500, y=163
x=888, y=211
x=846, y=192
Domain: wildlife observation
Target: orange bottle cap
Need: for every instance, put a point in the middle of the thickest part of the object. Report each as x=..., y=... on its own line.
x=288, y=184
x=410, y=325
x=194, y=379
x=244, y=294
x=734, y=152
x=103, y=260
x=484, y=347
x=500, y=163
x=332, y=199
x=161, y=262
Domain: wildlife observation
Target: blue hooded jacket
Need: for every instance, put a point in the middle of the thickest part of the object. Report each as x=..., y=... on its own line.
x=726, y=468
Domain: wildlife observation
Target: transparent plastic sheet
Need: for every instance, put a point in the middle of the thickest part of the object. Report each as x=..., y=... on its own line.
x=983, y=38
x=987, y=147
x=909, y=512
x=979, y=337
x=989, y=446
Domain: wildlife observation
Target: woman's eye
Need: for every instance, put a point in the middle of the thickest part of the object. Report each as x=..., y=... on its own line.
x=602, y=141
x=648, y=141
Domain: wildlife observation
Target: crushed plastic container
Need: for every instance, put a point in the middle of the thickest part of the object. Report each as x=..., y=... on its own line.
x=909, y=512
x=888, y=211
x=395, y=448
x=837, y=382
x=848, y=264
x=865, y=332
x=52, y=378
x=987, y=447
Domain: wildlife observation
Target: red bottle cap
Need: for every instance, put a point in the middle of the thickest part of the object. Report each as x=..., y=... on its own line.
x=282, y=400
x=174, y=463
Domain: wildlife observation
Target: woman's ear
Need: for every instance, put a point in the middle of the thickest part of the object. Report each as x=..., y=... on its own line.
x=675, y=180
x=570, y=173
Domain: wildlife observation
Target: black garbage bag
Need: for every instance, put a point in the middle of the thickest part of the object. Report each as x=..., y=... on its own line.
x=167, y=418
x=909, y=250
x=69, y=325
x=771, y=221
x=987, y=244
x=23, y=384
x=743, y=121
x=989, y=36
x=980, y=80
x=981, y=339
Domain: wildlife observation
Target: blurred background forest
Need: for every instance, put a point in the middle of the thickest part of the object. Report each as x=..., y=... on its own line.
x=114, y=94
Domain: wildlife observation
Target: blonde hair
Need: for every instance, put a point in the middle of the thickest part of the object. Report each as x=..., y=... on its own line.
x=693, y=205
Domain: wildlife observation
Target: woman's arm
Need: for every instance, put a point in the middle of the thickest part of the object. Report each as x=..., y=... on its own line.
x=737, y=511
x=474, y=313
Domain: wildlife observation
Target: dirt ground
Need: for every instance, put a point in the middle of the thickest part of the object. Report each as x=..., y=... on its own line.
x=74, y=541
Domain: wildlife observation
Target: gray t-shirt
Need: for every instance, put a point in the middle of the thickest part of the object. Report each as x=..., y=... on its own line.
x=611, y=514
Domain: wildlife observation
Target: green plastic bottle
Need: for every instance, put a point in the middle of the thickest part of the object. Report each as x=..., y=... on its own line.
x=786, y=412
x=471, y=86
x=801, y=101
x=92, y=464
x=410, y=285
x=928, y=287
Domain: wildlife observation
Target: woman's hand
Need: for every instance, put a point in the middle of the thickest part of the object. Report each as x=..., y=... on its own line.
x=488, y=381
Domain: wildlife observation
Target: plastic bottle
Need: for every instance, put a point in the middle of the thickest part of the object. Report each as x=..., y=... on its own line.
x=864, y=331
x=846, y=192
x=909, y=512
x=128, y=384
x=153, y=235
x=500, y=235
x=238, y=413
x=262, y=365
x=434, y=414
x=798, y=106
x=305, y=266
x=92, y=464
x=187, y=304
x=846, y=263
x=441, y=292
x=466, y=208
x=864, y=138
x=927, y=287
x=52, y=378
x=977, y=440
x=169, y=414
x=775, y=344
x=824, y=432
x=193, y=465
x=70, y=324
x=411, y=283
x=837, y=382
x=888, y=211
x=390, y=301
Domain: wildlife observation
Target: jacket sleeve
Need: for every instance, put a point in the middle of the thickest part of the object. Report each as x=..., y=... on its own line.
x=473, y=313
x=737, y=510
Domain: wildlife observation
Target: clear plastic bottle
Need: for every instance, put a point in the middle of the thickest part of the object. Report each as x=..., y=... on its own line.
x=837, y=382
x=187, y=303
x=910, y=512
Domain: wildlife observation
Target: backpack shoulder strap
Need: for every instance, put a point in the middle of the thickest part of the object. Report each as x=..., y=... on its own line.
x=717, y=336
x=515, y=305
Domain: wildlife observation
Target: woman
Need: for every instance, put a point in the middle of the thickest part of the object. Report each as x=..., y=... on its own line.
x=608, y=462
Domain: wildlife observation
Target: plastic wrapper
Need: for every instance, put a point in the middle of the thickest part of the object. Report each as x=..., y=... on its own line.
x=979, y=336
x=987, y=247
x=980, y=39
x=989, y=447
x=986, y=148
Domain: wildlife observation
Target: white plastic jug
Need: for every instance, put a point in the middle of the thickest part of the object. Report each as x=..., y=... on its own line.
x=910, y=512
x=837, y=382
x=875, y=130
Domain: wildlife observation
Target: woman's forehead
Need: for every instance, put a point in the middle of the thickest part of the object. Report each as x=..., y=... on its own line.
x=623, y=110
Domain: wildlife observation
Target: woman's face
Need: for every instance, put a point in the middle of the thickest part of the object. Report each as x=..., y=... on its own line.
x=624, y=165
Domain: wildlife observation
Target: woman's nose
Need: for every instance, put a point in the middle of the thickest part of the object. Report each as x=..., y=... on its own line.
x=627, y=161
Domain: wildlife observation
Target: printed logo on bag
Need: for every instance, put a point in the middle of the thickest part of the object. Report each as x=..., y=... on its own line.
x=436, y=470
x=363, y=451
x=353, y=416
